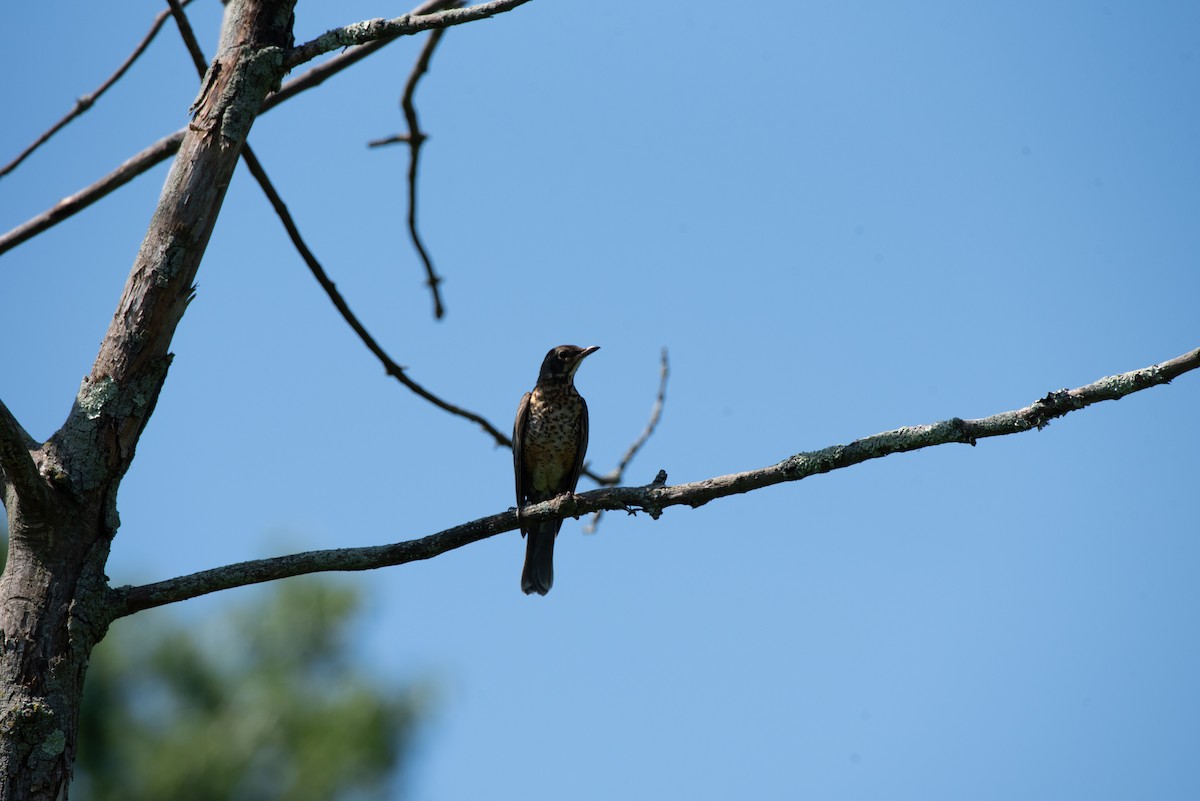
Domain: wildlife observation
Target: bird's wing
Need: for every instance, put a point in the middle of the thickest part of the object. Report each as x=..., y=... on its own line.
x=583, y=443
x=518, y=447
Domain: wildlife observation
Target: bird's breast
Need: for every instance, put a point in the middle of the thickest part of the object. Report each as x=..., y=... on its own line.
x=551, y=440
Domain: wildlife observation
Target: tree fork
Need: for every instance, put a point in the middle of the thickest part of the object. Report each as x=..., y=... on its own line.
x=60, y=496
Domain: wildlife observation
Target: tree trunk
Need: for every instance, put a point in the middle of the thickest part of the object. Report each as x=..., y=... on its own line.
x=60, y=496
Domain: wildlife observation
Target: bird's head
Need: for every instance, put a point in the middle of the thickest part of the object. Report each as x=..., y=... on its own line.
x=561, y=363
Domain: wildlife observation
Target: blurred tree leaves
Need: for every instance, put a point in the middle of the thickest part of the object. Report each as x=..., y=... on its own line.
x=263, y=703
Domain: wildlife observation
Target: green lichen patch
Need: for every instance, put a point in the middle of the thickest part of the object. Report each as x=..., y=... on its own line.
x=95, y=395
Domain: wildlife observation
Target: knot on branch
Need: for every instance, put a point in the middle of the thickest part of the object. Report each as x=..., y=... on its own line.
x=1055, y=404
x=822, y=461
x=1150, y=377
x=651, y=508
x=962, y=432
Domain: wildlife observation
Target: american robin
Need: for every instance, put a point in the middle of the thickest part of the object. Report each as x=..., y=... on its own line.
x=550, y=438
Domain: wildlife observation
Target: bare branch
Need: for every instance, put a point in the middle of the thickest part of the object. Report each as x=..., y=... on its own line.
x=389, y=365
x=17, y=468
x=406, y=25
x=415, y=138
x=314, y=266
x=653, y=498
x=189, y=37
x=160, y=151
x=97, y=443
x=327, y=69
x=84, y=103
x=167, y=146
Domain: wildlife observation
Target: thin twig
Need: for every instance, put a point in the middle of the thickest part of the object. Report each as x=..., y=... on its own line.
x=415, y=138
x=169, y=145
x=614, y=477
x=84, y=103
x=160, y=151
x=260, y=175
x=189, y=37
x=653, y=498
x=71, y=205
x=618, y=473
x=389, y=365
x=166, y=147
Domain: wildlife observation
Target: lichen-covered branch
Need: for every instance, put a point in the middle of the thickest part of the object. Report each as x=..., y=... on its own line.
x=317, y=75
x=653, y=498
x=117, y=397
x=375, y=29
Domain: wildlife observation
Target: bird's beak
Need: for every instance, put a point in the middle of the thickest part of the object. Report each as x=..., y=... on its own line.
x=583, y=354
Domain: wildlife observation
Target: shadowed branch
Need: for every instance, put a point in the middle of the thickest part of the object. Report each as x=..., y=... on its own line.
x=653, y=498
x=17, y=467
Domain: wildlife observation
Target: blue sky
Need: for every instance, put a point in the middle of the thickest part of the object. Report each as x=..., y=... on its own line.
x=840, y=219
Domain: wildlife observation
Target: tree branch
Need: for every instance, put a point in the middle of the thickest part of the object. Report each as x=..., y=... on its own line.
x=653, y=498
x=189, y=37
x=406, y=25
x=166, y=147
x=96, y=444
x=390, y=366
x=84, y=103
x=327, y=69
x=17, y=468
x=260, y=175
x=71, y=205
x=415, y=138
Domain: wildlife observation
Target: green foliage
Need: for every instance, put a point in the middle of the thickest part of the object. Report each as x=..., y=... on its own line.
x=264, y=706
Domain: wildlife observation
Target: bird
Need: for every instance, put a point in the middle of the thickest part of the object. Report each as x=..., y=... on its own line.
x=550, y=437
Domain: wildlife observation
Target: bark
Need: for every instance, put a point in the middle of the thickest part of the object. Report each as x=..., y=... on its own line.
x=60, y=496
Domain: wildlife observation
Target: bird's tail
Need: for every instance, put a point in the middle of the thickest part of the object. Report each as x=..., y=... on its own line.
x=538, y=574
